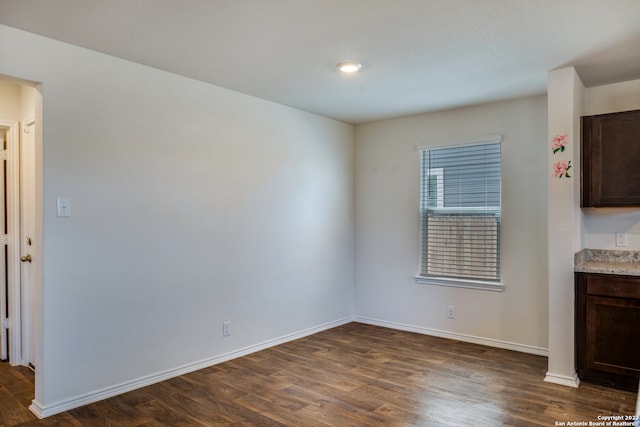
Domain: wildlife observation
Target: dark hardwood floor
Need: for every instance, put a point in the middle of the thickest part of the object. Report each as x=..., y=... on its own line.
x=353, y=375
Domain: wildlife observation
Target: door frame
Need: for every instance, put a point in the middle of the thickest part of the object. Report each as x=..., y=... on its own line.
x=26, y=279
x=14, y=303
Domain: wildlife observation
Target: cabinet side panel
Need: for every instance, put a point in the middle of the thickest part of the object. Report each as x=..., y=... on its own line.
x=586, y=199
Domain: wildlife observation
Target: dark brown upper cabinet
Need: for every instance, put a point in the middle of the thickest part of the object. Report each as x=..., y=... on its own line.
x=610, y=160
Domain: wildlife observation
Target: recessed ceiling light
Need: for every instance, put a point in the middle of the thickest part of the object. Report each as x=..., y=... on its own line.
x=349, y=67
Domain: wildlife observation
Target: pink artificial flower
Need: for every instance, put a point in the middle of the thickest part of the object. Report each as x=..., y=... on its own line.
x=559, y=142
x=561, y=168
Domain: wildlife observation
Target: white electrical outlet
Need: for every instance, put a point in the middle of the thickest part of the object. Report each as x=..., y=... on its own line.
x=226, y=328
x=451, y=312
x=621, y=239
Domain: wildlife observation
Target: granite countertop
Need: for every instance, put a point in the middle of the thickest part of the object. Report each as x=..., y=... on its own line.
x=607, y=262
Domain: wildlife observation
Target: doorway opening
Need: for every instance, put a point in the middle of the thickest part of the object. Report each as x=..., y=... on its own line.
x=20, y=229
x=17, y=218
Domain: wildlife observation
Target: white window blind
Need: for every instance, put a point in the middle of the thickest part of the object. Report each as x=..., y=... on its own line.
x=460, y=212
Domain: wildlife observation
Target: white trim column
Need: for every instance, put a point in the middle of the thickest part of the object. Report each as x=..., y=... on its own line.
x=565, y=99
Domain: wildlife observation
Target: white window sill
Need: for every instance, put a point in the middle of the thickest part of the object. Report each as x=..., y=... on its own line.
x=460, y=283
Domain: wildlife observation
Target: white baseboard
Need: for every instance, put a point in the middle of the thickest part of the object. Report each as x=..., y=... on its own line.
x=523, y=348
x=568, y=381
x=42, y=411
x=37, y=409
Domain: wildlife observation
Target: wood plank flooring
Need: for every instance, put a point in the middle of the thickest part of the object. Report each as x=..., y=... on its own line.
x=353, y=375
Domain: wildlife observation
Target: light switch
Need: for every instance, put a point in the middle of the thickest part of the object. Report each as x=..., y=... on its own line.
x=64, y=207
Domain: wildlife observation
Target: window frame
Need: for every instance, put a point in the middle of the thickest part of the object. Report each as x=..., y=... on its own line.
x=462, y=282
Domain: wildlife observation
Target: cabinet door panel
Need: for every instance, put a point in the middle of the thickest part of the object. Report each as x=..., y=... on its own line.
x=613, y=335
x=610, y=158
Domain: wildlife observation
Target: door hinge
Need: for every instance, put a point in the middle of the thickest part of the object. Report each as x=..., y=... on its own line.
x=5, y=323
x=3, y=155
x=4, y=239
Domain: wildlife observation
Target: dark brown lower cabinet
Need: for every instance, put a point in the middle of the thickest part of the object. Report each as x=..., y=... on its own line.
x=608, y=329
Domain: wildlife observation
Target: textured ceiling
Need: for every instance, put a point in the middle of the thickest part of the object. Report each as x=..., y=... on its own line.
x=417, y=55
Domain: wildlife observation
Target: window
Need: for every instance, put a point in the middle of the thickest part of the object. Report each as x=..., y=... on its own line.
x=460, y=215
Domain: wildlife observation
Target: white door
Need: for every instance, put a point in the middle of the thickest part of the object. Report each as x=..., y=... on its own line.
x=27, y=227
x=4, y=292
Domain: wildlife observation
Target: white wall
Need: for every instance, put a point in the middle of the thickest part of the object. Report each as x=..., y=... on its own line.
x=10, y=99
x=191, y=205
x=387, y=226
x=602, y=224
